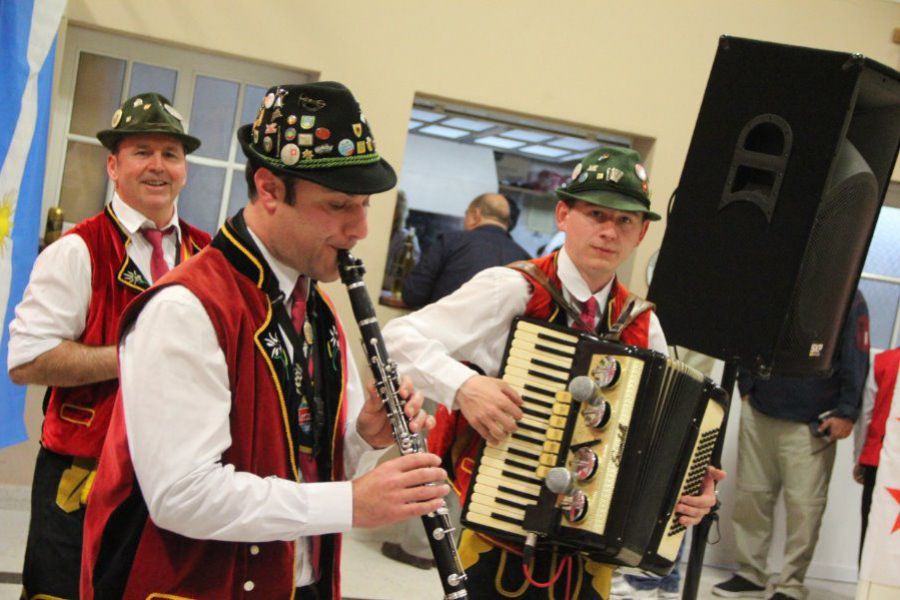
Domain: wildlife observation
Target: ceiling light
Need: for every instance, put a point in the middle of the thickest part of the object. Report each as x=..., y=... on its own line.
x=547, y=151
x=426, y=115
x=445, y=132
x=526, y=136
x=498, y=142
x=571, y=143
x=413, y=124
x=470, y=124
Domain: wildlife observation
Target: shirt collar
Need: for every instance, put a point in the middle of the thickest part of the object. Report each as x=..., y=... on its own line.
x=133, y=220
x=574, y=285
x=285, y=276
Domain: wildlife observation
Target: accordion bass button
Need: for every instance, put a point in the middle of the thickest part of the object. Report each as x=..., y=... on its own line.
x=597, y=416
x=576, y=507
x=606, y=372
x=586, y=463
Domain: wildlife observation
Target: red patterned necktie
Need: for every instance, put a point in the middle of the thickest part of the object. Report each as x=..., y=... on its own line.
x=298, y=305
x=307, y=462
x=158, y=264
x=588, y=314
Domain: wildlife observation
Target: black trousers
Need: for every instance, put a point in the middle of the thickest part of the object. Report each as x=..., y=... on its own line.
x=53, y=550
x=307, y=592
x=868, y=487
x=498, y=575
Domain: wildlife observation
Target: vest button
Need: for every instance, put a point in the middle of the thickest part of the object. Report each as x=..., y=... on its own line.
x=254, y=549
x=248, y=586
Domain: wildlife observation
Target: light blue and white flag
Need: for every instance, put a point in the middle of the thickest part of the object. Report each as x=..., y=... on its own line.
x=27, y=43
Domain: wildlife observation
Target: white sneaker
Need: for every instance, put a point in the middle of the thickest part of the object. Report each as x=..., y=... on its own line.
x=622, y=590
x=664, y=595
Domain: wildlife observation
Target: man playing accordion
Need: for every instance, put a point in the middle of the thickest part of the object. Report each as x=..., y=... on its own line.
x=605, y=213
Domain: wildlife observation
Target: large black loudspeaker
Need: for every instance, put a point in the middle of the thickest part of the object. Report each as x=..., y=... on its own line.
x=772, y=218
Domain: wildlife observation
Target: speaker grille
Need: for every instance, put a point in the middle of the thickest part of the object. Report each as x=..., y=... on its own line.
x=836, y=247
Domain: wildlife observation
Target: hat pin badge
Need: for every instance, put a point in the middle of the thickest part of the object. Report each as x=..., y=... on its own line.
x=171, y=110
x=613, y=174
x=312, y=104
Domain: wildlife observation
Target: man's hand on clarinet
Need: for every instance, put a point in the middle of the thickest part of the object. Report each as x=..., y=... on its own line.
x=490, y=406
x=373, y=425
x=395, y=490
x=693, y=508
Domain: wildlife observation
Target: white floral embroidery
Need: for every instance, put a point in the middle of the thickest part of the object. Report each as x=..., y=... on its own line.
x=274, y=345
x=298, y=376
x=133, y=277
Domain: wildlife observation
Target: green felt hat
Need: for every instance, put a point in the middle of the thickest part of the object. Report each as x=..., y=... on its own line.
x=317, y=131
x=612, y=177
x=146, y=113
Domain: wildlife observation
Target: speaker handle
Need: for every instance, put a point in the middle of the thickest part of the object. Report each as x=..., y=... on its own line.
x=759, y=162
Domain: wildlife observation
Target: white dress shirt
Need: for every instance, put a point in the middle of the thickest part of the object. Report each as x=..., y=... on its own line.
x=866, y=409
x=473, y=324
x=55, y=304
x=176, y=399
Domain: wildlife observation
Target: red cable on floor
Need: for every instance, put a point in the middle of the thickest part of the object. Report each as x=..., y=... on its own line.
x=566, y=562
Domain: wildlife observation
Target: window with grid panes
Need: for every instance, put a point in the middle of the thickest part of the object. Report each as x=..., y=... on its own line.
x=880, y=281
x=215, y=95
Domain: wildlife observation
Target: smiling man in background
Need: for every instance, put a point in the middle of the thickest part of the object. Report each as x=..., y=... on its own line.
x=64, y=333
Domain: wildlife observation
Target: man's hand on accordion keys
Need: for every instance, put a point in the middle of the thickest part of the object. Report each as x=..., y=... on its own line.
x=373, y=425
x=693, y=508
x=490, y=405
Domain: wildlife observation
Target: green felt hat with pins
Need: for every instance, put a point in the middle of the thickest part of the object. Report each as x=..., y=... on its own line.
x=144, y=114
x=317, y=131
x=612, y=177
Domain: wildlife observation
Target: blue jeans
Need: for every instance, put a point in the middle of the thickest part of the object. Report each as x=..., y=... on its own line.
x=669, y=583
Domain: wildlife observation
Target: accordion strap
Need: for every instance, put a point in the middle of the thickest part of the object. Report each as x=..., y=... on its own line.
x=634, y=307
x=532, y=270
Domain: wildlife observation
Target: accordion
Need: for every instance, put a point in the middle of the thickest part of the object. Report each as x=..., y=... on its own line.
x=611, y=437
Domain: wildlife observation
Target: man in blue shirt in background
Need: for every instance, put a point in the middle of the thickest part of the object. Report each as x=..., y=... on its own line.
x=786, y=442
x=458, y=255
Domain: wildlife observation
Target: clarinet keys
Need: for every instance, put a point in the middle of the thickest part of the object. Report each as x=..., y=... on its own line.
x=387, y=385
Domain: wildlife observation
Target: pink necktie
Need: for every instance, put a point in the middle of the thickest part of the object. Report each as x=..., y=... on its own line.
x=307, y=462
x=588, y=314
x=158, y=265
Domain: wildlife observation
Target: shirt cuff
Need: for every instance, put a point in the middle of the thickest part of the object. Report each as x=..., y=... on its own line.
x=330, y=507
x=455, y=376
x=25, y=351
x=359, y=456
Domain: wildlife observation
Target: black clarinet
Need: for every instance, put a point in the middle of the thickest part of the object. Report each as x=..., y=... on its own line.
x=387, y=383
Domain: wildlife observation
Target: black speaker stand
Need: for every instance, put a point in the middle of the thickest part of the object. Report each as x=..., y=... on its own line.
x=701, y=530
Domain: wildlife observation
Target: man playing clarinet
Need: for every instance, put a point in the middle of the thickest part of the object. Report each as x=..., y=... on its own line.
x=230, y=464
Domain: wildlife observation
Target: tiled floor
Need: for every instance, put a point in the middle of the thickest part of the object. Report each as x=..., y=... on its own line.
x=367, y=574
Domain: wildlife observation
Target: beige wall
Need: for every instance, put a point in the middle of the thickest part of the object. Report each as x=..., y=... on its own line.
x=638, y=67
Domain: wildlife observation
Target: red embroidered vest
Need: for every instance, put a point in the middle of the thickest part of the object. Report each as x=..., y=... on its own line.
x=125, y=554
x=885, y=370
x=76, y=418
x=452, y=427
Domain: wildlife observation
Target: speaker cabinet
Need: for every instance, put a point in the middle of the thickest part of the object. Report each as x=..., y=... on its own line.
x=772, y=218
